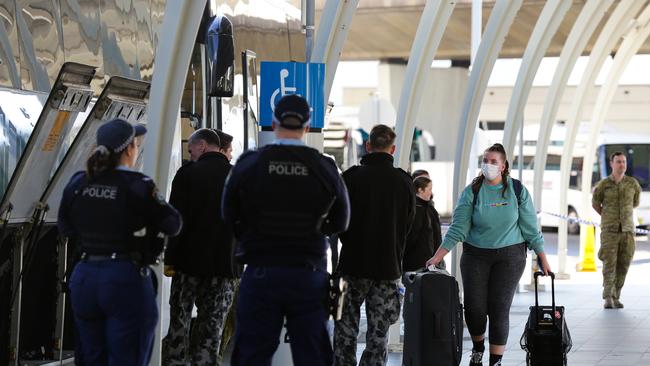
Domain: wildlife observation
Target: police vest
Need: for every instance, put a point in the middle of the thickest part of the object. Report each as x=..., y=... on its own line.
x=291, y=197
x=102, y=211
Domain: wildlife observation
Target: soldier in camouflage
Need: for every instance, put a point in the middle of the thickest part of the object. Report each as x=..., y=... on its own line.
x=201, y=345
x=615, y=198
x=382, y=310
x=382, y=201
x=200, y=260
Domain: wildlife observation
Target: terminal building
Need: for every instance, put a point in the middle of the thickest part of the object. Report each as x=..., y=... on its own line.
x=430, y=68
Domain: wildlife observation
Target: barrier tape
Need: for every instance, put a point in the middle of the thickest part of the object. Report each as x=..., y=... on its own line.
x=587, y=222
x=573, y=219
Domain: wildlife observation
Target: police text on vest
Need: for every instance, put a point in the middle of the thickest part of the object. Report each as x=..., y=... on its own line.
x=287, y=168
x=103, y=192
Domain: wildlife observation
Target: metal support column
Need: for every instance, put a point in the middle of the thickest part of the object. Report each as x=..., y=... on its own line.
x=432, y=26
x=547, y=25
x=632, y=42
x=501, y=19
x=178, y=34
x=331, y=35
x=585, y=25
x=617, y=25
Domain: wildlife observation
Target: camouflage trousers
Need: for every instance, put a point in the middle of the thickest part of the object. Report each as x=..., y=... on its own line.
x=382, y=310
x=213, y=297
x=228, y=333
x=616, y=252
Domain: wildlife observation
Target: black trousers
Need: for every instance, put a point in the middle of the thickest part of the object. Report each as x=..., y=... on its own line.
x=490, y=279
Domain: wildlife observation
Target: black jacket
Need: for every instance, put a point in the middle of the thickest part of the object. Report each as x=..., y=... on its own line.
x=382, y=203
x=205, y=246
x=275, y=198
x=424, y=238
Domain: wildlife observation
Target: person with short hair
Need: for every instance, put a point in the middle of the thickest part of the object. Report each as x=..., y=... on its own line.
x=200, y=260
x=281, y=201
x=615, y=198
x=110, y=210
x=495, y=219
x=420, y=173
x=425, y=235
x=382, y=200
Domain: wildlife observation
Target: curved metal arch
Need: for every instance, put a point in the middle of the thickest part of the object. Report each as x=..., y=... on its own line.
x=432, y=26
x=331, y=35
x=585, y=25
x=178, y=31
x=549, y=21
x=616, y=26
x=501, y=19
x=630, y=47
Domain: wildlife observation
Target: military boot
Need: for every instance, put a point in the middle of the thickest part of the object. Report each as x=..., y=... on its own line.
x=609, y=303
x=618, y=304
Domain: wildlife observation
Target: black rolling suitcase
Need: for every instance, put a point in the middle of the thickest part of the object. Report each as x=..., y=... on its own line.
x=546, y=338
x=433, y=320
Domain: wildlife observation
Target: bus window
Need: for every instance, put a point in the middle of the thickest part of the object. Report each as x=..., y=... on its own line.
x=575, y=179
x=638, y=161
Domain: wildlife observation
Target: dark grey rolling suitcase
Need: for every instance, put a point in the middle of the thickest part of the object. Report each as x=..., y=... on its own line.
x=433, y=320
x=546, y=338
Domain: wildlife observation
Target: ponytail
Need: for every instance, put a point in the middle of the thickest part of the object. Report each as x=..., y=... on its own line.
x=100, y=161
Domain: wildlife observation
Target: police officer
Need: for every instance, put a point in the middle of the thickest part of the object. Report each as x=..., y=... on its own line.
x=615, y=198
x=202, y=256
x=281, y=201
x=382, y=200
x=107, y=210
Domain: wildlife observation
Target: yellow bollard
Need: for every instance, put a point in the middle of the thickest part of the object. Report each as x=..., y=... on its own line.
x=588, y=263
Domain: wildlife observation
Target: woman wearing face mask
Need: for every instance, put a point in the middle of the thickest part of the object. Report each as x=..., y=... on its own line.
x=424, y=238
x=496, y=228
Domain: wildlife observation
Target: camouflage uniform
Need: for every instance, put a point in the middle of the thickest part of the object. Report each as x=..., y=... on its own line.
x=229, y=326
x=382, y=309
x=213, y=297
x=617, y=230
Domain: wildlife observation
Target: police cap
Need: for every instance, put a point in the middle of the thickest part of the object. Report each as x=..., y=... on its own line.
x=294, y=106
x=117, y=134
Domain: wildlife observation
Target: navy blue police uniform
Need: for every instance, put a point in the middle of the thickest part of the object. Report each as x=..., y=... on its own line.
x=281, y=201
x=113, y=295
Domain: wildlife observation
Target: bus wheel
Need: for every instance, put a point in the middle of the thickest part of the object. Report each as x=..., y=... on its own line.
x=573, y=227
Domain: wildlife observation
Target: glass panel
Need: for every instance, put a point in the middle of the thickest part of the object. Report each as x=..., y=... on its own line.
x=9, y=51
x=157, y=9
x=144, y=36
x=41, y=43
x=119, y=39
x=19, y=113
x=82, y=36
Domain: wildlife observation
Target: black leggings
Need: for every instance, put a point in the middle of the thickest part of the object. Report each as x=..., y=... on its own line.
x=490, y=279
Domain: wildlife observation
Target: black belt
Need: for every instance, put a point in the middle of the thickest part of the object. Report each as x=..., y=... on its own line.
x=108, y=257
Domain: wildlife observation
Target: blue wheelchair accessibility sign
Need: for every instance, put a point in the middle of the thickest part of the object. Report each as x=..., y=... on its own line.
x=282, y=78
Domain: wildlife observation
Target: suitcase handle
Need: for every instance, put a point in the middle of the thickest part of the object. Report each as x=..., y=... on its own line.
x=409, y=277
x=552, y=275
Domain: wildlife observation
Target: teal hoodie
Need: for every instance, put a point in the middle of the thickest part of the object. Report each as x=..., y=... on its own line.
x=495, y=222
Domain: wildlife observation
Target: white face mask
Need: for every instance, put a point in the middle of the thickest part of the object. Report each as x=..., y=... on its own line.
x=491, y=172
